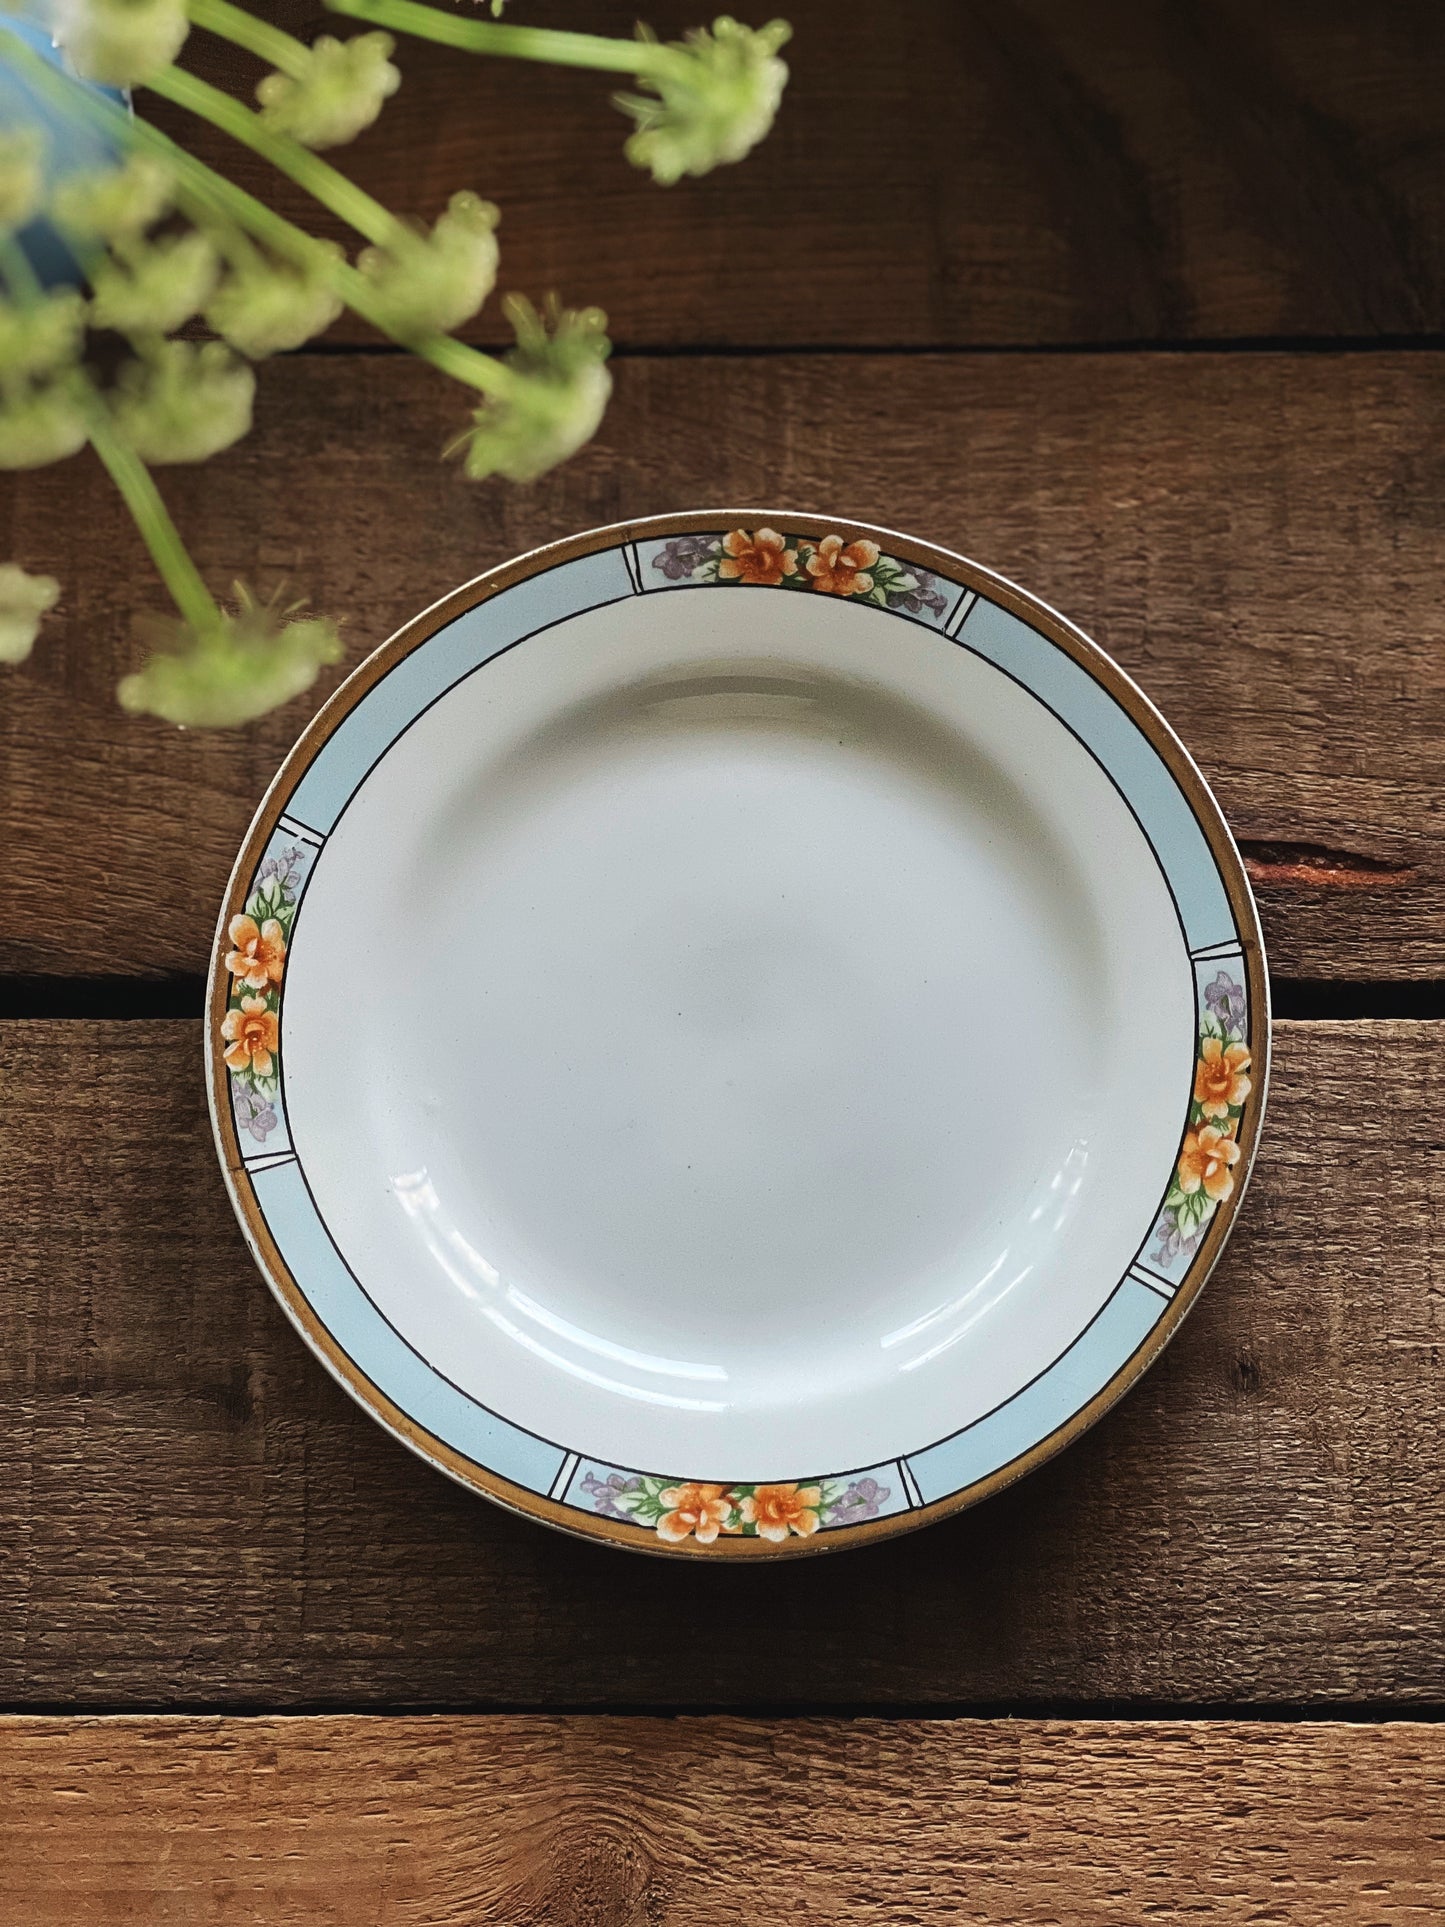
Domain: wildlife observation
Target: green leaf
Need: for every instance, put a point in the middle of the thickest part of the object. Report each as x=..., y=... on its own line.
x=643, y=1506
x=1196, y=1210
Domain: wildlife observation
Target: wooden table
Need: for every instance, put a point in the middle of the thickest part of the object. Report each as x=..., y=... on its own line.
x=1142, y=304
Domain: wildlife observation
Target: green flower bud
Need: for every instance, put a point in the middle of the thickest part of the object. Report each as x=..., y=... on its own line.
x=24, y=599
x=39, y=425
x=431, y=283
x=43, y=336
x=21, y=181
x=338, y=92
x=116, y=203
x=234, y=670
x=154, y=287
x=120, y=43
x=557, y=402
x=183, y=402
x=717, y=96
x=268, y=307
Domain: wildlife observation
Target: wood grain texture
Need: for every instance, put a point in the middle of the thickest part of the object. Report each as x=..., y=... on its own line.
x=1010, y=171
x=1255, y=537
x=192, y=1513
x=586, y=1822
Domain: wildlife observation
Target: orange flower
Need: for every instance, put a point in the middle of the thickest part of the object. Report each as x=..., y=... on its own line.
x=1219, y=1080
x=699, y=1510
x=839, y=571
x=251, y=1036
x=259, y=956
x=777, y=1510
x=1206, y=1159
x=760, y=558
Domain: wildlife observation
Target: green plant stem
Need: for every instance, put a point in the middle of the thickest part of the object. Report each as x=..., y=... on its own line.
x=271, y=44
x=599, y=52
x=209, y=196
x=138, y=491
x=132, y=479
x=321, y=180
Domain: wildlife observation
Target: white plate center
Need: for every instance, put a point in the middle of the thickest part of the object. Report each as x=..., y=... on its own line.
x=737, y=1045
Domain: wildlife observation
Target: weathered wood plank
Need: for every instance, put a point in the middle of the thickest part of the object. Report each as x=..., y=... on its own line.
x=543, y=1822
x=193, y=1513
x=1256, y=537
x=953, y=174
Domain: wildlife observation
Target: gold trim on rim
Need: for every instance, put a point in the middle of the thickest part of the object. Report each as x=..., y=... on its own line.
x=942, y=562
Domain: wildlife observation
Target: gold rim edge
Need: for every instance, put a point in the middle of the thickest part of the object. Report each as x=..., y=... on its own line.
x=1056, y=628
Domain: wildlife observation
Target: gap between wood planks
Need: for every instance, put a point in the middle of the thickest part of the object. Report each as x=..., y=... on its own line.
x=183, y=996
x=959, y=350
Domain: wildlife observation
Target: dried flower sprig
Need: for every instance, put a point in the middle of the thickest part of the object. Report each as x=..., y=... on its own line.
x=265, y=306
x=554, y=401
x=233, y=669
x=709, y=99
x=41, y=337
x=212, y=200
x=183, y=401
x=120, y=43
x=166, y=242
x=322, y=95
x=709, y=104
x=153, y=287
x=24, y=599
x=430, y=283
x=117, y=204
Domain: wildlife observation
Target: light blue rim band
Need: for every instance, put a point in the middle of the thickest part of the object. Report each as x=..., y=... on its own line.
x=493, y=1443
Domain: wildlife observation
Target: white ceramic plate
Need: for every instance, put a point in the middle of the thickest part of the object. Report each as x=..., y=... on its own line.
x=736, y=1033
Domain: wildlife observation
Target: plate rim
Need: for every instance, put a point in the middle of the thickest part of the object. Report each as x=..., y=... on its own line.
x=1037, y=614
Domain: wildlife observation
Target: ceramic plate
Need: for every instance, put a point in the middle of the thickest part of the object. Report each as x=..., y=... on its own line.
x=737, y=1033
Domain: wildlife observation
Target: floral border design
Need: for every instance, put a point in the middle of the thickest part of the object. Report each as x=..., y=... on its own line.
x=1204, y=1173
x=678, y=1510
x=696, y=1516
x=254, y=951
x=832, y=565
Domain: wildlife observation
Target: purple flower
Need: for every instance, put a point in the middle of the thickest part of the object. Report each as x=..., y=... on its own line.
x=253, y=1112
x=1173, y=1244
x=285, y=868
x=1225, y=998
x=604, y=1493
x=861, y=1501
x=924, y=597
x=684, y=554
